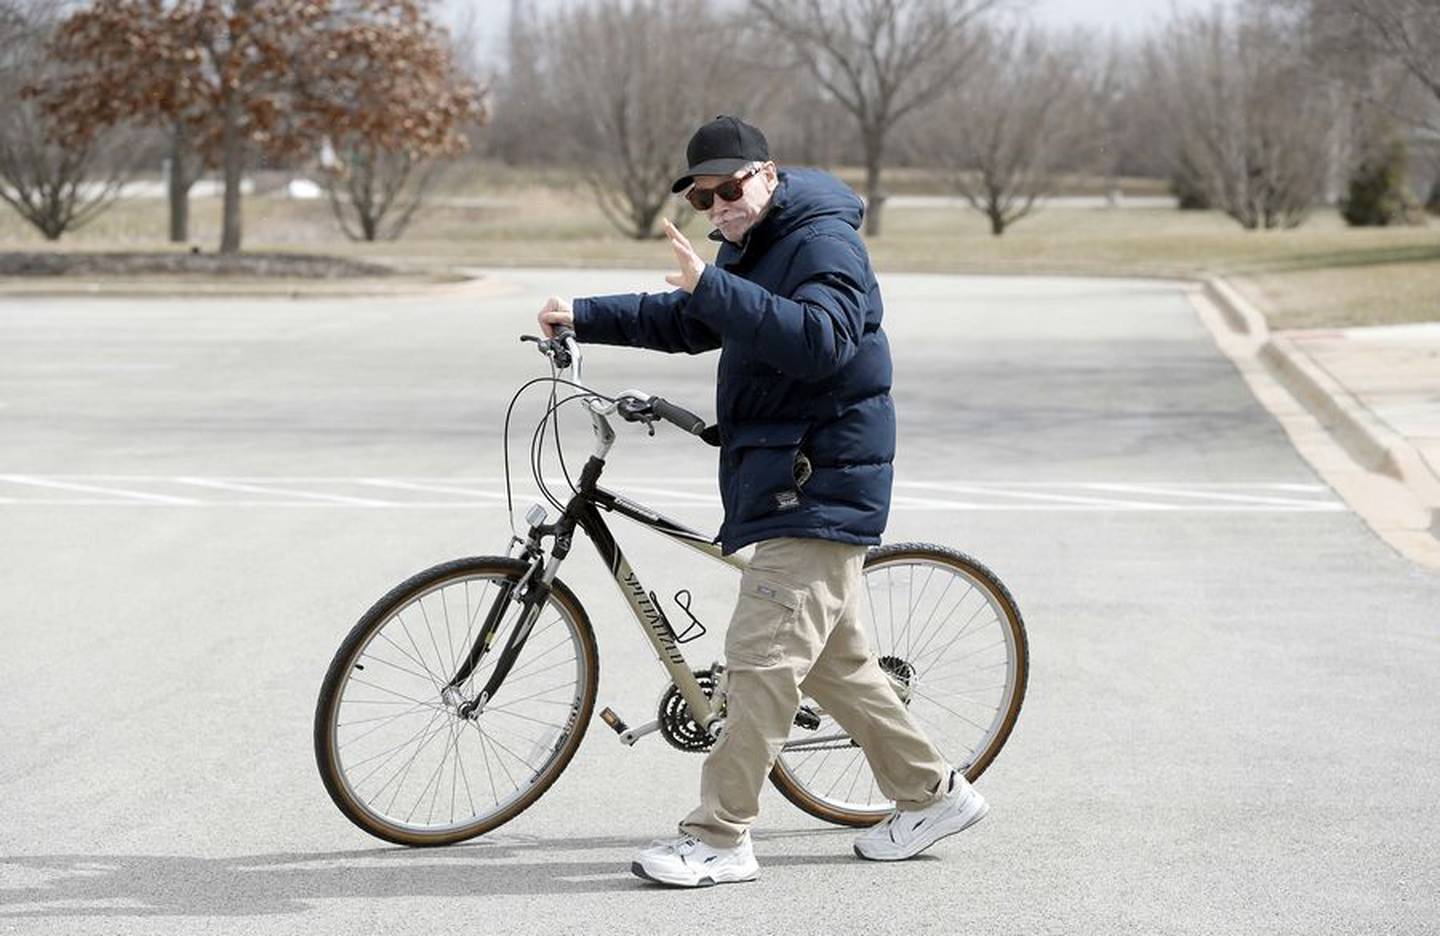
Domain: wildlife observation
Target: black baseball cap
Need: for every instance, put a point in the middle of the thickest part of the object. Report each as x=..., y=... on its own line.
x=722, y=146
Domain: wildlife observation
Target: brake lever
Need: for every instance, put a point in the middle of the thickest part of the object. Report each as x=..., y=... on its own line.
x=553, y=348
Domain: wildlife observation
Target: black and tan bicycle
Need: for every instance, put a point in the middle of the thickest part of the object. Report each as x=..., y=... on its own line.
x=462, y=694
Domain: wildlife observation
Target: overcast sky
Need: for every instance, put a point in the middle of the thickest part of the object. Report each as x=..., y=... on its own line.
x=1127, y=17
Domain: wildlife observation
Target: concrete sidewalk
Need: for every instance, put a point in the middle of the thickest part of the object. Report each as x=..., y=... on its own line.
x=1375, y=392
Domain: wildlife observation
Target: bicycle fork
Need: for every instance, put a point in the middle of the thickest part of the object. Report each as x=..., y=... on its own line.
x=531, y=592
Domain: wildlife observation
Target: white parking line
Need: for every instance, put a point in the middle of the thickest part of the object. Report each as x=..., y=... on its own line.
x=1210, y=495
x=94, y=489
x=257, y=489
x=998, y=490
x=429, y=488
x=666, y=493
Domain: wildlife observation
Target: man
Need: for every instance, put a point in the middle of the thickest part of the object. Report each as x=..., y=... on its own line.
x=807, y=434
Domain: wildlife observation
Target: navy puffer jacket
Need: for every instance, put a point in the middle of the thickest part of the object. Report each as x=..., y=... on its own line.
x=804, y=366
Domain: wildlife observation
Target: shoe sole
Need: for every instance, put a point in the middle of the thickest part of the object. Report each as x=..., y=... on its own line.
x=979, y=814
x=637, y=869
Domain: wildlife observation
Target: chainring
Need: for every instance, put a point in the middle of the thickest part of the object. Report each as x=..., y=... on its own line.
x=677, y=725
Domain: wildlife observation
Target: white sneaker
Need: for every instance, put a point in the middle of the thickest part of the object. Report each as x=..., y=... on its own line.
x=906, y=834
x=689, y=862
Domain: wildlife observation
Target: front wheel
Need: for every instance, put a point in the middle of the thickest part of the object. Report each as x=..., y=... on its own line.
x=397, y=749
x=949, y=635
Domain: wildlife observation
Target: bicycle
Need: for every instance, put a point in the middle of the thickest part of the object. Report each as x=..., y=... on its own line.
x=398, y=716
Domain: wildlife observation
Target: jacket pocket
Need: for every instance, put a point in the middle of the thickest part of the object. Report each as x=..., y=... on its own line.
x=763, y=459
x=765, y=608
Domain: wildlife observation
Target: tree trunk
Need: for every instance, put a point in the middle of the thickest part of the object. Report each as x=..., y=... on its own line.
x=180, y=181
x=997, y=223
x=233, y=144
x=874, y=194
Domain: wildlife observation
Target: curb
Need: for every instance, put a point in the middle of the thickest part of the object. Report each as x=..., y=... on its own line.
x=133, y=288
x=1368, y=441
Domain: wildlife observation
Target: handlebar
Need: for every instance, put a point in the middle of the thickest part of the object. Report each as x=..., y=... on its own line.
x=677, y=415
x=631, y=406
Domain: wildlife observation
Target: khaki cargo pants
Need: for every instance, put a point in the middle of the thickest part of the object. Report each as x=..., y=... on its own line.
x=797, y=630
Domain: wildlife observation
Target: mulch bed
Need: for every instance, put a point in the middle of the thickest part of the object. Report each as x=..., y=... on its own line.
x=247, y=265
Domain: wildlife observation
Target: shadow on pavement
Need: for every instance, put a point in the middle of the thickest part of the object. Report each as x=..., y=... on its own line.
x=257, y=885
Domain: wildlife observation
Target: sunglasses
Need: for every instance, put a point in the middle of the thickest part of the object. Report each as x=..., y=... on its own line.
x=729, y=190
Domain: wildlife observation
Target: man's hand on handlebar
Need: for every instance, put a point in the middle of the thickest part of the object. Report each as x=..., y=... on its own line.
x=554, y=315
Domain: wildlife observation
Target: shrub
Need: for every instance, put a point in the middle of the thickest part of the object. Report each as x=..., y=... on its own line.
x=1378, y=192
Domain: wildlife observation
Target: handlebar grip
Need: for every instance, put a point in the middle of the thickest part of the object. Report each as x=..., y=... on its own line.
x=679, y=416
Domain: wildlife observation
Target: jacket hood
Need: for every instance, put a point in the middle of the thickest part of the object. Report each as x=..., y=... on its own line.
x=803, y=197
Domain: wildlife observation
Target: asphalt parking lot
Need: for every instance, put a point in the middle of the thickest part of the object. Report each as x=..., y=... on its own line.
x=1231, y=725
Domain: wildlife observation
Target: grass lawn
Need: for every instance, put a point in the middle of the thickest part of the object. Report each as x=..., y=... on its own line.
x=1322, y=274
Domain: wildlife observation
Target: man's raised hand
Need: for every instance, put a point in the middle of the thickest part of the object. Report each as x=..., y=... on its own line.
x=691, y=266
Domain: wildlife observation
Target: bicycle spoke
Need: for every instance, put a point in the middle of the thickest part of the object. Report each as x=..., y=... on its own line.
x=435, y=775
x=860, y=767
x=532, y=674
x=512, y=702
x=449, y=637
x=924, y=628
x=369, y=656
x=381, y=634
x=947, y=708
x=958, y=634
x=392, y=752
x=509, y=714
x=401, y=695
x=419, y=657
x=940, y=628
x=840, y=777
x=464, y=775
x=494, y=794
x=491, y=741
x=999, y=643
x=404, y=773
x=384, y=720
x=430, y=632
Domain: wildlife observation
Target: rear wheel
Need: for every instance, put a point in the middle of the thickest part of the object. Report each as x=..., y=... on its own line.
x=395, y=749
x=949, y=635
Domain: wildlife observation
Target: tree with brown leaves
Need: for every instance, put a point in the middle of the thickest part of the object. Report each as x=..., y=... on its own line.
x=241, y=79
x=389, y=125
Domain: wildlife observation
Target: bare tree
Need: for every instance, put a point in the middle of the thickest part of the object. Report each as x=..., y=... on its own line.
x=54, y=185
x=375, y=193
x=1249, y=119
x=1354, y=37
x=1002, y=132
x=521, y=131
x=629, y=81
x=882, y=60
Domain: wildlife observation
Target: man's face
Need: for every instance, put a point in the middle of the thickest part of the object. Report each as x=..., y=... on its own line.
x=734, y=218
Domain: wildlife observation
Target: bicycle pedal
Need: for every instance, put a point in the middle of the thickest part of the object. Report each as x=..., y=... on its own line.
x=616, y=723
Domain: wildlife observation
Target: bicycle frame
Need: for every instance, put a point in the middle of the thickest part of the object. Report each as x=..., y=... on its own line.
x=584, y=511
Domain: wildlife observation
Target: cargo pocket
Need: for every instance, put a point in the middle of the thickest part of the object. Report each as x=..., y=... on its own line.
x=764, y=610
x=764, y=457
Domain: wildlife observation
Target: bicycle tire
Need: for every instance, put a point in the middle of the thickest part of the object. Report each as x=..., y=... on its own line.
x=786, y=777
x=412, y=593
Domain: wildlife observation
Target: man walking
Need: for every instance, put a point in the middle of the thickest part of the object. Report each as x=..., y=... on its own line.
x=807, y=433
